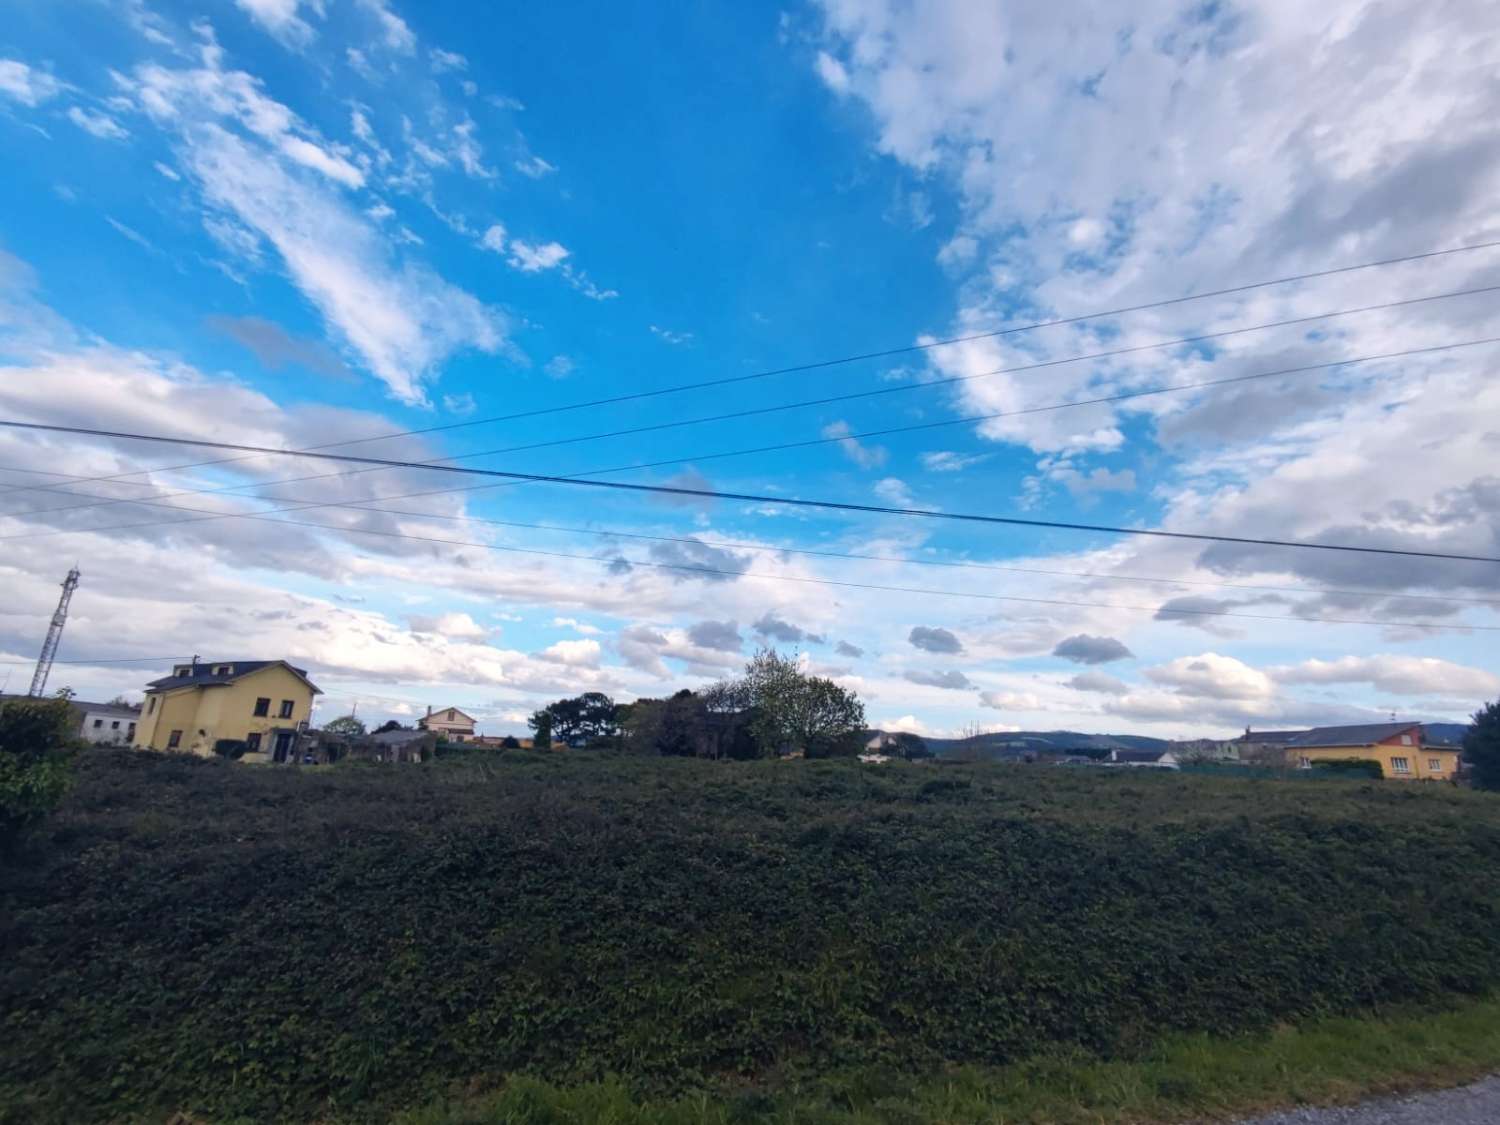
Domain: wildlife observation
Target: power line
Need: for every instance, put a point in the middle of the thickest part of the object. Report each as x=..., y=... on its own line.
x=105, y=660
x=879, y=354
x=779, y=446
x=296, y=504
x=691, y=568
x=754, y=498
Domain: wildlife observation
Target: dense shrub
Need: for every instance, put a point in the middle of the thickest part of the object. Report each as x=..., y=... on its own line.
x=294, y=945
x=1482, y=746
x=1351, y=767
x=231, y=748
x=37, y=737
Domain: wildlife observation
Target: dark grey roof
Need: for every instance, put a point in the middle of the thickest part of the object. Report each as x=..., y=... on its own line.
x=133, y=712
x=1272, y=736
x=1365, y=735
x=203, y=673
x=399, y=737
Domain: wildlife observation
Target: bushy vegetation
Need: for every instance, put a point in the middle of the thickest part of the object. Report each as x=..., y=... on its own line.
x=1482, y=747
x=37, y=738
x=265, y=944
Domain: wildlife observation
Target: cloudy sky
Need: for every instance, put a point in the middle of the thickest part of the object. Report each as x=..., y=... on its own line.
x=295, y=223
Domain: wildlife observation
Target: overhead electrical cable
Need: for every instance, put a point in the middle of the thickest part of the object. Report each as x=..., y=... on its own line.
x=775, y=447
x=885, y=353
x=756, y=498
x=878, y=587
x=297, y=504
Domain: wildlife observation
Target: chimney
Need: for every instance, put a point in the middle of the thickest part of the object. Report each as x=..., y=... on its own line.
x=429, y=710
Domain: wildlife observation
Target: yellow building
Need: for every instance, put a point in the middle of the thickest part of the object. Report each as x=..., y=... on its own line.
x=263, y=703
x=1398, y=747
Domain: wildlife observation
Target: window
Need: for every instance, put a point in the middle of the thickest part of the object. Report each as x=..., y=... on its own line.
x=262, y=706
x=151, y=707
x=1434, y=765
x=450, y=716
x=130, y=733
x=174, y=740
x=1406, y=740
x=115, y=725
x=1401, y=765
x=1306, y=762
x=252, y=741
x=183, y=670
x=99, y=723
x=223, y=669
x=286, y=708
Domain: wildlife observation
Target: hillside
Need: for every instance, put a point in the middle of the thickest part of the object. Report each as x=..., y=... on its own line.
x=281, y=945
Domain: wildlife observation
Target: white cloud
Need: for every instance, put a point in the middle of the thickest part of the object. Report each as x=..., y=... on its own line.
x=131, y=233
x=1011, y=701
x=945, y=461
x=394, y=32
x=529, y=257
x=676, y=339
x=1213, y=676
x=584, y=653
x=454, y=626
x=101, y=125
x=460, y=404
x=167, y=171
x=280, y=19
x=832, y=72
x=442, y=60
x=1398, y=675
x=559, y=367
x=576, y=625
x=534, y=167
x=893, y=491
x=865, y=456
x=26, y=84
x=494, y=238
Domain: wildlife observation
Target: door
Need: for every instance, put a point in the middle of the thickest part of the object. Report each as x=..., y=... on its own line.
x=283, y=745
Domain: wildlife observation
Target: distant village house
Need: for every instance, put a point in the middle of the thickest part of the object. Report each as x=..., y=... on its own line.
x=259, y=706
x=448, y=723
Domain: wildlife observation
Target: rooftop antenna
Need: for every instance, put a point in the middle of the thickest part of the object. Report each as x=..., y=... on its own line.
x=54, y=634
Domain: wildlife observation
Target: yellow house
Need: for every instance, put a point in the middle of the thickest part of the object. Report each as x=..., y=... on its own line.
x=1398, y=747
x=263, y=703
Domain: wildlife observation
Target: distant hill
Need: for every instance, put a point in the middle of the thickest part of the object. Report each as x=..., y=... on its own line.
x=1004, y=744
x=1451, y=734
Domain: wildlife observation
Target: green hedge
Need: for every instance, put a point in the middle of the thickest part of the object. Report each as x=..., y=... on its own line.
x=284, y=945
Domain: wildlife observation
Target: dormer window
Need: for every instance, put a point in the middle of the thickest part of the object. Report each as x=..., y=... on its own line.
x=224, y=670
x=183, y=670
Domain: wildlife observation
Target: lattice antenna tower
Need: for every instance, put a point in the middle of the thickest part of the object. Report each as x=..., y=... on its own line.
x=54, y=634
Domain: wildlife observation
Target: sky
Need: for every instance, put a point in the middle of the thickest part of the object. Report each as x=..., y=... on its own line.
x=297, y=223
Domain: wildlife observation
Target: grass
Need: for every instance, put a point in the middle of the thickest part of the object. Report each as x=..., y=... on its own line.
x=737, y=938
x=1183, y=1078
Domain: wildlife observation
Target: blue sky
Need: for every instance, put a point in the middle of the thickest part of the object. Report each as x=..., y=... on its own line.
x=289, y=223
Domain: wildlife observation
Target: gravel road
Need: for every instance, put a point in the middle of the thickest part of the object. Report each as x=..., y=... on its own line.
x=1478, y=1104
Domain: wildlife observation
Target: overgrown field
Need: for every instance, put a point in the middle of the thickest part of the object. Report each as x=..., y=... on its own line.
x=269, y=944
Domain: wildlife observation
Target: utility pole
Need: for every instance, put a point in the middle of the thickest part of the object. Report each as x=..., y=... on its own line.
x=54, y=635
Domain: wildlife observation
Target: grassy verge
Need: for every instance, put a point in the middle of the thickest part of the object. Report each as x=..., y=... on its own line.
x=1185, y=1078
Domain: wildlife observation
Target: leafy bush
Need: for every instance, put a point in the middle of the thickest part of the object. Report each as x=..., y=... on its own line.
x=282, y=945
x=36, y=740
x=1351, y=767
x=231, y=748
x=1482, y=747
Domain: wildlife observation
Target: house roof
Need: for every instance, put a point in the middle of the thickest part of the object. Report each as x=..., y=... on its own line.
x=113, y=709
x=399, y=737
x=1274, y=736
x=1367, y=734
x=440, y=713
x=203, y=675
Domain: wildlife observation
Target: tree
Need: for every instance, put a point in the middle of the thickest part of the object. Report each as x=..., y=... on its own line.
x=589, y=717
x=345, y=726
x=541, y=726
x=1482, y=746
x=510, y=742
x=795, y=711
x=36, y=742
x=389, y=725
